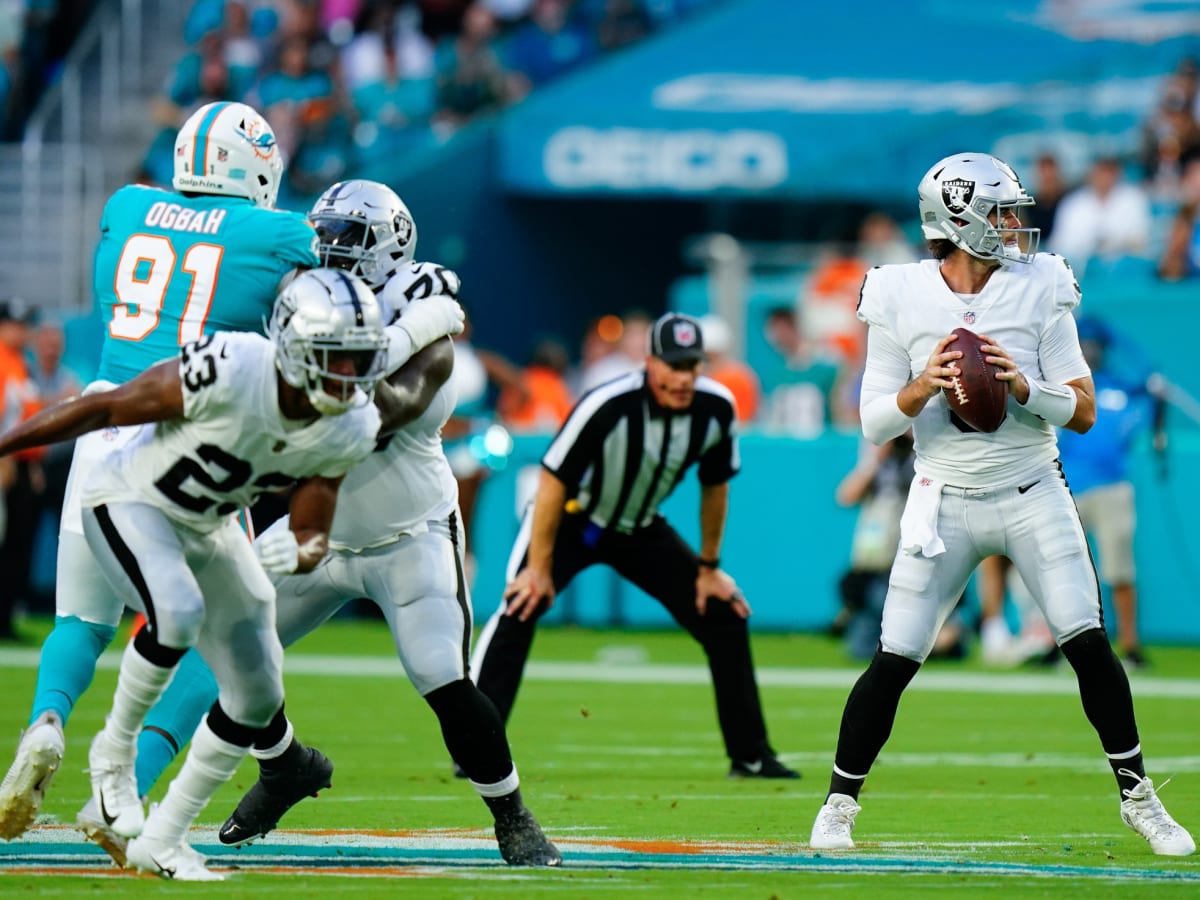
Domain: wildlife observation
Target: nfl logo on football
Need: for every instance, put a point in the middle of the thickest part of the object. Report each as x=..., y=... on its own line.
x=969, y=317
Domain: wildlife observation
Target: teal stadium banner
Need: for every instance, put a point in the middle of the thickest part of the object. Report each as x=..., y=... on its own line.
x=782, y=99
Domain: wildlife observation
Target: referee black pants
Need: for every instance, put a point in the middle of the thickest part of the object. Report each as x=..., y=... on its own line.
x=657, y=560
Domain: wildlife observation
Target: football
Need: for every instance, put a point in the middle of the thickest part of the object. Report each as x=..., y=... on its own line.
x=977, y=399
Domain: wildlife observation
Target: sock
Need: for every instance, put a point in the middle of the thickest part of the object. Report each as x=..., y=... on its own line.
x=1107, y=702
x=473, y=732
x=139, y=685
x=209, y=764
x=868, y=718
x=172, y=720
x=276, y=747
x=68, y=664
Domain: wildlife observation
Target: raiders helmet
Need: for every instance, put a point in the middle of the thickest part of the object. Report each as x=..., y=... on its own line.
x=961, y=195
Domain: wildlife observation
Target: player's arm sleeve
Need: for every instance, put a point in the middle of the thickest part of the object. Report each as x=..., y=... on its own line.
x=209, y=372
x=870, y=299
x=888, y=369
x=1059, y=353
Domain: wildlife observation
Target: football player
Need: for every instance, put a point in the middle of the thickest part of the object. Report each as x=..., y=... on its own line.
x=396, y=539
x=233, y=416
x=171, y=267
x=976, y=494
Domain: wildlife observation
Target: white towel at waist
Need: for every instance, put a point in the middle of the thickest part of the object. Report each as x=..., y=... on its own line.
x=918, y=524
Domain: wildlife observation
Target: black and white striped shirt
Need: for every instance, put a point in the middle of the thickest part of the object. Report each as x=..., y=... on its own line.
x=620, y=454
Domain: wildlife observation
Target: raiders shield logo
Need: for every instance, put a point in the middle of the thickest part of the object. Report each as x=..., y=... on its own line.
x=957, y=194
x=404, y=229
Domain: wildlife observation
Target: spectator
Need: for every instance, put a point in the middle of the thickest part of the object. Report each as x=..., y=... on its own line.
x=623, y=22
x=828, y=299
x=1051, y=187
x=881, y=242
x=21, y=476
x=1181, y=255
x=551, y=43
x=389, y=69
x=1097, y=466
x=1171, y=134
x=545, y=401
x=54, y=382
x=799, y=382
x=313, y=132
x=996, y=580
x=878, y=486
x=389, y=44
x=628, y=341
x=467, y=431
x=1106, y=218
x=470, y=78
x=724, y=368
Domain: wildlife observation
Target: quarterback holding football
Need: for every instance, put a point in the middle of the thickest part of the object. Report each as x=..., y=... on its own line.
x=976, y=350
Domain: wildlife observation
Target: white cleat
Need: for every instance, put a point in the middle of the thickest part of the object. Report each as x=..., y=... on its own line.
x=1144, y=813
x=178, y=862
x=114, y=789
x=835, y=821
x=38, y=757
x=92, y=824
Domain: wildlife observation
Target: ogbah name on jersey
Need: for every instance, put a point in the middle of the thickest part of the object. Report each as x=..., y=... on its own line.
x=179, y=218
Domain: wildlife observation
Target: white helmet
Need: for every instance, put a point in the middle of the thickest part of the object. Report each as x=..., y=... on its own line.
x=364, y=228
x=228, y=148
x=960, y=192
x=321, y=314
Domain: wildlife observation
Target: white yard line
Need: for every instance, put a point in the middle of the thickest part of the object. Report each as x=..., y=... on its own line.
x=943, y=681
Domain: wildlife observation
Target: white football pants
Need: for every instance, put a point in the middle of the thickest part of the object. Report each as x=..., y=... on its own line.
x=206, y=591
x=417, y=583
x=1037, y=529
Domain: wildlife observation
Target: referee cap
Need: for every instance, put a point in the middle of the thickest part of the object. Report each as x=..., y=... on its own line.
x=676, y=338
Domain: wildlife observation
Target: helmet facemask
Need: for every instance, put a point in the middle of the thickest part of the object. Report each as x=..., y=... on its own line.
x=321, y=319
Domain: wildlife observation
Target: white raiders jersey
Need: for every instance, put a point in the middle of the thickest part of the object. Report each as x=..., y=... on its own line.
x=916, y=308
x=400, y=487
x=232, y=443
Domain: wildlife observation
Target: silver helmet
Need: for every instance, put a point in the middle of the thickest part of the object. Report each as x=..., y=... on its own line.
x=323, y=315
x=971, y=200
x=364, y=228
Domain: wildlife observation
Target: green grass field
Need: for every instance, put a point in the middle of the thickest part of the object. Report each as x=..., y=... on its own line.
x=993, y=784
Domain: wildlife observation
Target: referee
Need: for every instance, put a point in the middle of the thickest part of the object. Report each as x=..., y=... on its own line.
x=623, y=449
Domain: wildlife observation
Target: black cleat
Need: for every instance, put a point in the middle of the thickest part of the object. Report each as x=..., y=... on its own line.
x=523, y=843
x=764, y=767
x=273, y=795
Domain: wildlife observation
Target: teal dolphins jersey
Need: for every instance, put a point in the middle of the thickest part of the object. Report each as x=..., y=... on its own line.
x=172, y=268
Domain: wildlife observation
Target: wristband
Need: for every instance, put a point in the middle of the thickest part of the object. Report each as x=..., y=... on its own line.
x=705, y=563
x=1053, y=403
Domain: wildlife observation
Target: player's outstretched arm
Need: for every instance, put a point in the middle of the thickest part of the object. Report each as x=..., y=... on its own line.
x=405, y=395
x=154, y=396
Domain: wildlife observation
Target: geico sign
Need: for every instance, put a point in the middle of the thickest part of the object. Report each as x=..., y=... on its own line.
x=627, y=158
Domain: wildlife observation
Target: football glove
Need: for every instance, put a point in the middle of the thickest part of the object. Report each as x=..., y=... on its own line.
x=278, y=551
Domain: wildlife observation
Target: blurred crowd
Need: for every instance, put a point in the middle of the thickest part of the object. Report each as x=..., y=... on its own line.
x=35, y=36
x=344, y=80
x=33, y=374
